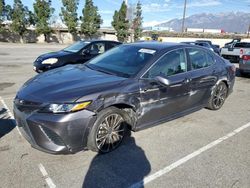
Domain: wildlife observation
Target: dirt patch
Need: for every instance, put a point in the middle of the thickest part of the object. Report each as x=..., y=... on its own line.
x=4, y=54
x=4, y=148
x=5, y=85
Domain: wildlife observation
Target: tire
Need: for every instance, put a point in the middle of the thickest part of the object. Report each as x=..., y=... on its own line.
x=218, y=97
x=108, y=131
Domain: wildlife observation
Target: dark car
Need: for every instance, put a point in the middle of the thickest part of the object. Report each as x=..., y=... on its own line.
x=205, y=44
x=133, y=86
x=208, y=44
x=79, y=52
x=244, y=65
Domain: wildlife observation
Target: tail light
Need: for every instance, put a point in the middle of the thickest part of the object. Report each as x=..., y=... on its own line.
x=241, y=52
x=246, y=57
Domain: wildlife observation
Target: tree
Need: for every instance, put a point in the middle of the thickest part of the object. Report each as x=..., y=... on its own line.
x=121, y=24
x=7, y=12
x=19, y=17
x=69, y=14
x=91, y=20
x=2, y=5
x=43, y=12
x=137, y=22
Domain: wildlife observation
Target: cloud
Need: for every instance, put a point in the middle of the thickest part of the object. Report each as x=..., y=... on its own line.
x=204, y=3
x=155, y=7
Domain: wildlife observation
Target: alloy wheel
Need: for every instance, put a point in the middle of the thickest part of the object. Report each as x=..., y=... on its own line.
x=220, y=96
x=110, y=133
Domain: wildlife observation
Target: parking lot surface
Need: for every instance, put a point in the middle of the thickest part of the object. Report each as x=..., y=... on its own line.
x=156, y=156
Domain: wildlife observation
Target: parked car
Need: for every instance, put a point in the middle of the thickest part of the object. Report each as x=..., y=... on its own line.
x=191, y=43
x=244, y=65
x=208, y=45
x=133, y=86
x=205, y=45
x=79, y=52
x=235, y=52
x=216, y=48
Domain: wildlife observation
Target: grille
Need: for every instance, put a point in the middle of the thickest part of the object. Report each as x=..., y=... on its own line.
x=27, y=106
x=53, y=137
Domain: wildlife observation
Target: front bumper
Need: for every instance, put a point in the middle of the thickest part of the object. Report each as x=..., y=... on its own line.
x=244, y=66
x=55, y=133
x=39, y=68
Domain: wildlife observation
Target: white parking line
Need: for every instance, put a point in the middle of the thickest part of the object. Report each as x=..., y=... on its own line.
x=40, y=166
x=188, y=157
x=7, y=98
x=46, y=176
x=10, y=114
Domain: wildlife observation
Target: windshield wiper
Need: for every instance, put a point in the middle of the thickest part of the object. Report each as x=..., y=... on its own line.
x=124, y=75
x=99, y=70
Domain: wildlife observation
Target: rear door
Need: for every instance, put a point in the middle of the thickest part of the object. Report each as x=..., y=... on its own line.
x=203, y=75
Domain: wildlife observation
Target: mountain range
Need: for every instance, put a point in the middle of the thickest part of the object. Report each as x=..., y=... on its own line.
x=229, y=22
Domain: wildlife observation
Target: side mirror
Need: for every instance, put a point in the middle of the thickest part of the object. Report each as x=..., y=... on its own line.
x=162, y=81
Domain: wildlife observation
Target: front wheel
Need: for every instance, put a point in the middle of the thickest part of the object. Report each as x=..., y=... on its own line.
x=218, y=97
x=108, y=131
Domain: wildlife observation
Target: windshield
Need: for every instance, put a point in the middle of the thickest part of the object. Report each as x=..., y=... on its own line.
x=124, y=61
x=76, y=47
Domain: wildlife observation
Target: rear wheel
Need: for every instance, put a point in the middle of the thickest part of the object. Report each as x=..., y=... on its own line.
x=108, y=131
x=218, y=97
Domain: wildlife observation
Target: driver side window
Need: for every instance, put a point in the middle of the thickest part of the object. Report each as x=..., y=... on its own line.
x=97, y=48
x=170, y=64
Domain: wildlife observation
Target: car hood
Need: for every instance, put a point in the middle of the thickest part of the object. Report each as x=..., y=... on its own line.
x=54, y=55
x=67, y=84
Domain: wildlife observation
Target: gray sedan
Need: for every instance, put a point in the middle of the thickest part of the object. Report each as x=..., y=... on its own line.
x=130, y=87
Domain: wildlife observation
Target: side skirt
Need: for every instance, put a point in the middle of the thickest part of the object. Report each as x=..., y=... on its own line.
x=169, y=118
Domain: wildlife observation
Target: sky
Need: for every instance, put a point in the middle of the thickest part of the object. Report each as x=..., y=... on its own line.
x=157, y=11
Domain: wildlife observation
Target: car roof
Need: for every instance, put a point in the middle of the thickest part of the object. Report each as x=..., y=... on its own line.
x=99, y=40
x=155, y=45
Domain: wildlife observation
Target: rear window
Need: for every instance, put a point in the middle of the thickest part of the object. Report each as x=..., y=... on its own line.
x=199, y=58
x=242, y=45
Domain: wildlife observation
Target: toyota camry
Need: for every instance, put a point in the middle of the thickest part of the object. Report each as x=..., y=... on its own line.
x=129, y=88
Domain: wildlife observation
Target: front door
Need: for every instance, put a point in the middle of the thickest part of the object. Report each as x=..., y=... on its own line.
x=160, y=102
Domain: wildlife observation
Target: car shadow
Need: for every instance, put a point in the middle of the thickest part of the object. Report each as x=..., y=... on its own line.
x=6, y=124
x=121, y=168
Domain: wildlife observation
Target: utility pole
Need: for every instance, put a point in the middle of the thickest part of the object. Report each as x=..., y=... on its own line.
x=184, y=16
x=248, y=33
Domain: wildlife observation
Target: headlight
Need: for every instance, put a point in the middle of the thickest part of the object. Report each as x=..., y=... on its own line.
x=65, y=108
x=50, y=61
